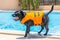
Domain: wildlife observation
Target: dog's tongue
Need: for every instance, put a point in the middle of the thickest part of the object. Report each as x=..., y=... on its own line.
x=16, y=18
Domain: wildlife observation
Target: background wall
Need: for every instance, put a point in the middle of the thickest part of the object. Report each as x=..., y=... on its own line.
x=8, y=4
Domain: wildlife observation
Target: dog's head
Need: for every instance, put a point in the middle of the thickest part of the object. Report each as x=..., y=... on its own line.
x=18, y=15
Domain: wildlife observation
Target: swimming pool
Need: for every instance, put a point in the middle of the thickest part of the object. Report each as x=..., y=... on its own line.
x=7, y=22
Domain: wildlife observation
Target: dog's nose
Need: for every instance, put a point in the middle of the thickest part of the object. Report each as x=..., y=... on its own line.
x=13, y=15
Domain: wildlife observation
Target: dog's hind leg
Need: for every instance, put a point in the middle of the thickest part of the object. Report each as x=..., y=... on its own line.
x=42, y=27
x=47, y=29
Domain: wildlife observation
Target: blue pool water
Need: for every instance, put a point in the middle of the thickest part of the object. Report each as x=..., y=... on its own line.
x=7, y=22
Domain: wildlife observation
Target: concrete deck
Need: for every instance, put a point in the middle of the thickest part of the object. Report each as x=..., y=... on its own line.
x=18, y=35
x=14, y=37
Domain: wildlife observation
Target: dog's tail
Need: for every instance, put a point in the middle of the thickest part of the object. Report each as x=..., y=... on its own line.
x=50, y=10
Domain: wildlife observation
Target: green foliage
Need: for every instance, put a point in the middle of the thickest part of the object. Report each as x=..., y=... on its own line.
x=29, y=4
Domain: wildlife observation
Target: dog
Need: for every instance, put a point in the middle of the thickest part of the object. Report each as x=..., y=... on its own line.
x=19, y=15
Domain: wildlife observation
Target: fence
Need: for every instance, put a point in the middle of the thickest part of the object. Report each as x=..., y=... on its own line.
x=13, y=4
x=49, y=2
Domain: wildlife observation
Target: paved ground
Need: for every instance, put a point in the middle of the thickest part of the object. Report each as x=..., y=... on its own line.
x=17, y=37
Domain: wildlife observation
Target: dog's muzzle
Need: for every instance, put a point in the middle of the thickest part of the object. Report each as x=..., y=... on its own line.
x=13, y=15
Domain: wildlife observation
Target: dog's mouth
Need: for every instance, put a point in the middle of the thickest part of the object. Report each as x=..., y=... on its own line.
x=16, y=18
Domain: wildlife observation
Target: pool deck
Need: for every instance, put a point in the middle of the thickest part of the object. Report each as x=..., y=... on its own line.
x=18, y=35
x=14, y=37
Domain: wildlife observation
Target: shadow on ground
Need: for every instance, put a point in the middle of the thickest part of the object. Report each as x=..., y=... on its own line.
x=34, y=36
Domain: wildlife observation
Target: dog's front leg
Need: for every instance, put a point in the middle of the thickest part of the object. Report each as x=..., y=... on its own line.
x=27, y=31
x=28, y=24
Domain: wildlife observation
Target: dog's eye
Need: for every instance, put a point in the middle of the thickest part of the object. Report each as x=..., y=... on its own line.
x=18, y=12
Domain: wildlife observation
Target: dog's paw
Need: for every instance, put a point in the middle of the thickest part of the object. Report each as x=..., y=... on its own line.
x=45, y=34
x=25, y=36
x=39, y=34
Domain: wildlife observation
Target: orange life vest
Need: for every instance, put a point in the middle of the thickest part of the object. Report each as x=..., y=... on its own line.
x=36, y=17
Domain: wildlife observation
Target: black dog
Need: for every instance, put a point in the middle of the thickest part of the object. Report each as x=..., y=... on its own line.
x=19, y=15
